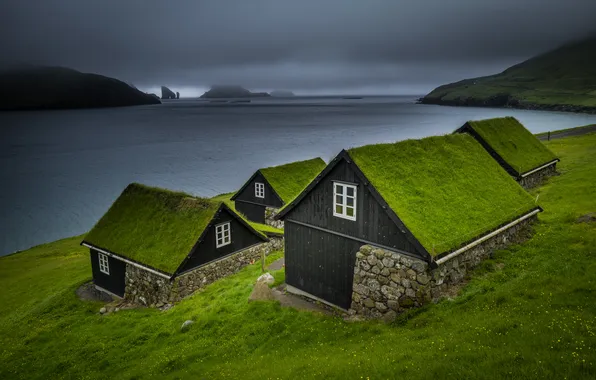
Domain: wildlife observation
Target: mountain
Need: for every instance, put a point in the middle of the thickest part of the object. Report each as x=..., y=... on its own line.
x=166, y=93
x=44, y=87
x=282, y=94
x=231, y=92
x=563, y=79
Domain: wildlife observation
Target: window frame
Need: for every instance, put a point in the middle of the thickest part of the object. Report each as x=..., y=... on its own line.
x=260, y=190
x=104, y=263
x=344, y=204
x=221, y=229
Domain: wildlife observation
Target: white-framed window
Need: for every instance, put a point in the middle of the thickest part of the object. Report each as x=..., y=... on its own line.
x=104, y=264
x=344, y=200
x=259, y=190
x=223, y=235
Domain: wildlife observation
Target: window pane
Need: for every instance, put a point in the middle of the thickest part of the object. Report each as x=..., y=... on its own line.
x=339, y=199
x=339, y=189
x=350, y=201
x=339, y=209
x=350, y=191
x=349, y=211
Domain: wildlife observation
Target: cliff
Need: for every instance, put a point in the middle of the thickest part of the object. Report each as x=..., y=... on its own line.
x=42, y=87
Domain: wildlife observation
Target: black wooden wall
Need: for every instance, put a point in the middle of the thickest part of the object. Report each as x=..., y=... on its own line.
x=114, y=282
x=320, y=263
x=253, y=212
x=372, y=222
x=248, y=194
x=206, y=251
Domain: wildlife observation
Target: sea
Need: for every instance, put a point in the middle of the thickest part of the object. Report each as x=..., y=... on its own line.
x=61, y=170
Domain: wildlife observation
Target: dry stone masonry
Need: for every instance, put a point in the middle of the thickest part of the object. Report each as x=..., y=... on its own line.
x=146, y=288
x=387, y=283
x=270, y=213
x=537, y=178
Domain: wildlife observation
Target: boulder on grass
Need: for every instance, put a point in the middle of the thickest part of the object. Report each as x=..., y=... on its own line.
x=261, y=292
x=267, y=278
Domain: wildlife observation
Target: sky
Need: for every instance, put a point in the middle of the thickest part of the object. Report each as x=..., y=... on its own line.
x=306, y=46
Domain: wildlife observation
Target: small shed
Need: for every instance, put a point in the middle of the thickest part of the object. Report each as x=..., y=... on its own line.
x=515, y=148
x=417, y=201
x=152, y=240
x=268, y=189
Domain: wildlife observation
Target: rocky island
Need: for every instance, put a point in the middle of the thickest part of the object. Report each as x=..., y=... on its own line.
x=166, y=93
x=227, y=91
x=44, y=87
x=560, y=80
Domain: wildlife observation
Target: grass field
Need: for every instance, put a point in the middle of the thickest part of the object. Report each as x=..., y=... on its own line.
x=529, y=312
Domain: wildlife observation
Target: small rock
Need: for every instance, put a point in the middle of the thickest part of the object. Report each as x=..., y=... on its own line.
x=423, y=279
x=389, y=316
x=261, y=292
x=380, y=306
x=385, y=272
x=186, y=325
x=267, y=278
x=393, y=305
x=116, y=309
x=159, y=304
x=369, y=303
x=103, y=310
x=379, y=253
x=419, y=267
x=588, y=218
x=372, y=260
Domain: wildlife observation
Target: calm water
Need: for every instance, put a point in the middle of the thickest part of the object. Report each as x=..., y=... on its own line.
x=61, y=170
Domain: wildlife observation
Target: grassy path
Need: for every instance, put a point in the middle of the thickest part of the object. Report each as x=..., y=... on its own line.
x=529, y=313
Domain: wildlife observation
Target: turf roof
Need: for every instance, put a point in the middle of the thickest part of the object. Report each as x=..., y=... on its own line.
x=264, y=228
x=153, y=226
x=513, y=142
x=288, y=180
x=446, y=189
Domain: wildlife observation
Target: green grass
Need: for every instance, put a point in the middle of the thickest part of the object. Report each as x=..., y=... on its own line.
x=257, y=226
x=528, y=313
x=153, y=226
x=564, y=76
x=513, y=142
x=288, y=180
x=576, y=129
x=446, y=189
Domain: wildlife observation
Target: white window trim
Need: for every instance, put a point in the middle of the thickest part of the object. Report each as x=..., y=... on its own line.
x=104, y=263
x=220, y=229
x=344, y=203
x=259, y=190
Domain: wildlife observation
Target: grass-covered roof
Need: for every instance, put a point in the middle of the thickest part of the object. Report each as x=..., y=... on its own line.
x=446, y=189
x=288, y=180
x=513, y=142
x=153, y=226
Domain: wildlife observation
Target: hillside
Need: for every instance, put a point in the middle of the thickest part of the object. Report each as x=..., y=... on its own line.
x=41, y=87
x=527, y=313
x=563, y=80
x=219, y=92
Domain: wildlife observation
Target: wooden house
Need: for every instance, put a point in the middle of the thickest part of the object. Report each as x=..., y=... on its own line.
x=422, y=200
x=150, y=238
x=515, y=148
x=269, y=189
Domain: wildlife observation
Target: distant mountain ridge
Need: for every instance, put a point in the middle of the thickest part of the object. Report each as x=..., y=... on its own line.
x=231, y=91
x=48, y=87
x=563, y=79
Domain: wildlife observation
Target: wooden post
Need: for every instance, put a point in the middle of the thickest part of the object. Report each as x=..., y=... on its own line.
x=263, y=261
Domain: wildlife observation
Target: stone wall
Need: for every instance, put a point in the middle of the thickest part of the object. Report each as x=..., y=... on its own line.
x=387, y=283
x=537, y=178
x=270, y=213
x=146, y=288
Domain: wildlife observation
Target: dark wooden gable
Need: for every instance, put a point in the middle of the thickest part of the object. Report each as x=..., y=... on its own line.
x=247, y=192
x=466, y=128
x=205, y=251
x=375, y=221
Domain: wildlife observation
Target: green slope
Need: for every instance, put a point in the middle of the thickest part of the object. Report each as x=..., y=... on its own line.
x=563, y=79
x=513, y=142
x=528, y=313
x=288, y=180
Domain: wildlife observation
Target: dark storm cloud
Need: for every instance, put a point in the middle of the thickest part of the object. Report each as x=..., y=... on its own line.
x=300, y=44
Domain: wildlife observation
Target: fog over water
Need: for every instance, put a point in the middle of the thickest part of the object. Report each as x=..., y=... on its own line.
x=61, y=170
